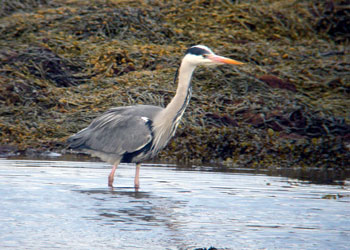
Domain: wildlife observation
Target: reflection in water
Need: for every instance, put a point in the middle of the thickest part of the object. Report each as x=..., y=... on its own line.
x=66, y=205
x=138, y=211
x=312, y=175
x=132, y=206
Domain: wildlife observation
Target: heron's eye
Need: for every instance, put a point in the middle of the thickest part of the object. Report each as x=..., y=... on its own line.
x=205, y=56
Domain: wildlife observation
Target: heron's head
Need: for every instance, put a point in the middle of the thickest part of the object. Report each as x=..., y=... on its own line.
x=202, y=55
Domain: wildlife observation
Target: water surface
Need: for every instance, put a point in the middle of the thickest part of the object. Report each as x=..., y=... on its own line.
x=67, y=205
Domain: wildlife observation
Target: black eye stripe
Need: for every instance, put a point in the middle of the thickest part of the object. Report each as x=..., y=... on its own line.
x=196, y=51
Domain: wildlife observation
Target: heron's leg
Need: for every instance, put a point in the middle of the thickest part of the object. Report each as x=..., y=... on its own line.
x=137, y=176
x=111, y=175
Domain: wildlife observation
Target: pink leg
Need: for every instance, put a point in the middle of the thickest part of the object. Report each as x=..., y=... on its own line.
x=111, y=175
x=137, y=176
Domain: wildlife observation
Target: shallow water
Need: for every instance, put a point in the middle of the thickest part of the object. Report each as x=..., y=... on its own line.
x=67, y=205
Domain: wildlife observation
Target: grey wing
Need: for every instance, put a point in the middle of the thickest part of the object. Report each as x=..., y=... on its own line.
x=115, y=133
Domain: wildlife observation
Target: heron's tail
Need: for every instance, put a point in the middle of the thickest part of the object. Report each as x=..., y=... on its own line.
x=78, y=140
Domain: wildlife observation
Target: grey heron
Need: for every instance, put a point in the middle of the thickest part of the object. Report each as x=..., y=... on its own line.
x=132, y=134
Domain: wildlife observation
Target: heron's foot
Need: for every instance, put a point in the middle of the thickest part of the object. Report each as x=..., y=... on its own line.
x=110, y=181
x=137, y=183
x=137, y=187
x=137, y=177
x=111, y=175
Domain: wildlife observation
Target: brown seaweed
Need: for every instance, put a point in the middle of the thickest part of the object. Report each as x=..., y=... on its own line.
x=62, y=63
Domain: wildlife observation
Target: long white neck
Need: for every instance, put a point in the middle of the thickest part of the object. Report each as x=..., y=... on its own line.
x=183, y=93
x=165, y=123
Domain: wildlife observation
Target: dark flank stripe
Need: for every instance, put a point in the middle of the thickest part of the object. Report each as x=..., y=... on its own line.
x=129, y=156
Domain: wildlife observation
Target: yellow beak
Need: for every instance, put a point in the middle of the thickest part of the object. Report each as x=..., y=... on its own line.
x=221, y=59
